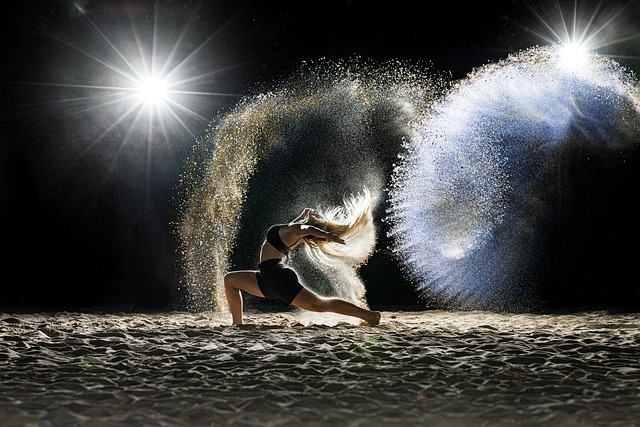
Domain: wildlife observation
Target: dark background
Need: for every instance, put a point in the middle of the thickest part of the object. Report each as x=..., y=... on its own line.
x=87, y=203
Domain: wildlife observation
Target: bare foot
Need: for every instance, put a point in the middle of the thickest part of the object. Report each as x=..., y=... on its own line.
x=374, y=319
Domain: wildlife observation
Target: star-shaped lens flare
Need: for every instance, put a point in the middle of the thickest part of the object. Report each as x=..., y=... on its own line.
x=135, y=72
x=586, y=31
x=153, y=91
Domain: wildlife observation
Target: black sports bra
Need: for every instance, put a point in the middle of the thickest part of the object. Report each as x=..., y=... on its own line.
x=273, y=237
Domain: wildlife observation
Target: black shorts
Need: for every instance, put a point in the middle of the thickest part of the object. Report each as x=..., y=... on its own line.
x=276, y=280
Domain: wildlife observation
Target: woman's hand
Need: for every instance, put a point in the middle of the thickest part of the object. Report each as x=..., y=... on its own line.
x=317, y=233
x=334, y=238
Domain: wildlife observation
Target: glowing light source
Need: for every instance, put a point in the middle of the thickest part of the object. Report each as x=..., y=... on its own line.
x=153, y=90
x=583, y=31
x=144, y=80
x=573, y=55
x=152, y=74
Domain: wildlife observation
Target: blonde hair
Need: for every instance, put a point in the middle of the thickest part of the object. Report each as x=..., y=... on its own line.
x=353, y=222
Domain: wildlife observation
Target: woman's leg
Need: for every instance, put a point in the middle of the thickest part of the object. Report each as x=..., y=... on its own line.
x=309, y=300
x=234, y=282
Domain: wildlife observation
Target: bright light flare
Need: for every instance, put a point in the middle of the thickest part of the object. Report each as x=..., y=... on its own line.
x=573, y=55
x=144, y=80
x=585, y=32
x=153, y=91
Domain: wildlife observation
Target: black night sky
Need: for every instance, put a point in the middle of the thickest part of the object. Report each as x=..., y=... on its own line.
x=89, y=193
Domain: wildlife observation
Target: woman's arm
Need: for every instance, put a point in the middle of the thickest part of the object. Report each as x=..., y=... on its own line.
x=304, y=216
x=310, y=230
x=292, y=233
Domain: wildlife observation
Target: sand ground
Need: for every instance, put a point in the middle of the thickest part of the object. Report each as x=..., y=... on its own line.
x=417, y=368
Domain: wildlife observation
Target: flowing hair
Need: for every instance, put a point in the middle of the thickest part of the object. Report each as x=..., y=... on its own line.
x=351, y=221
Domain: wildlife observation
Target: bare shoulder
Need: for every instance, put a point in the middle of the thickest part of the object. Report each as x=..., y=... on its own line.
x=294, y=229
x=292, y=233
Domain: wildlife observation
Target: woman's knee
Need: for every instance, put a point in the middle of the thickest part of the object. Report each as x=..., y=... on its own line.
x=241, y=280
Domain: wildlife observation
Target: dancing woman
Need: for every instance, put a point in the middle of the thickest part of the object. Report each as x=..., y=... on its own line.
x=321, y=234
